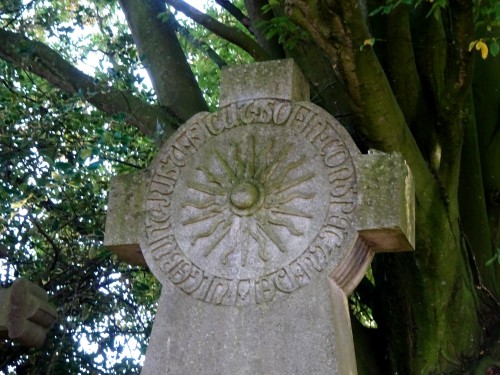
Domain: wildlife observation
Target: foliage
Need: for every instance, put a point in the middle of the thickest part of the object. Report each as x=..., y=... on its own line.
x=57, y=154
x=404, y=67
x=204, y=68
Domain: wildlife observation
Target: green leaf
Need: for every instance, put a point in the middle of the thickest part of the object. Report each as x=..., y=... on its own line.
x=496, y=257
x=92, y=252
x=94, y=165
x=87, y=309
x=85, y=153
x=163, y=16
x=62, y=165
x=494, y=48
x=376, y=11
x=489, y=262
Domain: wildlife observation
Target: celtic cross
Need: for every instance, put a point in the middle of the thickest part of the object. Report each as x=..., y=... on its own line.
x=259, y=219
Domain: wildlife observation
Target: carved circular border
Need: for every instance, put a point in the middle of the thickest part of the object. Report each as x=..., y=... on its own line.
x=306, y=121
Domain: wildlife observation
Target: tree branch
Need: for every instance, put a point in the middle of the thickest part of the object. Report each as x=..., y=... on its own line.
x=401, y=65
x=45, y=62
x=459, y=32
x=459, y=62
x=163, y=58
x=202, y=46
x=50, y=240
x=339, y=27
x=236, y=13
x=231, y=34
x=257, y=15
x=324, y=83
x=446, y=71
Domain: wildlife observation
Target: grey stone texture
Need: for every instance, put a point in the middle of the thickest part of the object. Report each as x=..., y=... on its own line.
x=258, y=220
x=283, y=80
x=25, y=314
x=125, y=216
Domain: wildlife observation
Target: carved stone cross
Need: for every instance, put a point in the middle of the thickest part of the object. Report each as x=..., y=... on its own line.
x=258, y=220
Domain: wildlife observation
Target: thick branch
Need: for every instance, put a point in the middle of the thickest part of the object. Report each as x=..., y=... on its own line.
x=162, y=56
x=251, y=22
x=473, y=205
x=325, y=85
x=457, y=82
x=202, y=46
x=339, y=27
x=236, y=13
x=257, y=15
x=446, y=69
x=231, y=34
x=416, y=96
x=40, y=59
x=487, y=104
x=401, y=65
x=459, y=61
x=430, y=51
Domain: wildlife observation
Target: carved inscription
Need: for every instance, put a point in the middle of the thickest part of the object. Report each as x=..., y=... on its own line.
x=250, y=202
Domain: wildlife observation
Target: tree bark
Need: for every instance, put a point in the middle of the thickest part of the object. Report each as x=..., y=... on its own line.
x=487, y=106
x=257, y=15
x=231, y=34
x=163, y=58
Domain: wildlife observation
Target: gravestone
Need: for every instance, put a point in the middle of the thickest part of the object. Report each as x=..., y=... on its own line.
x=25, y=314
x=258, y=220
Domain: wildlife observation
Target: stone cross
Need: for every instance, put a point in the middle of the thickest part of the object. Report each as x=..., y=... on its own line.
x=25, y=314
x=258, y=220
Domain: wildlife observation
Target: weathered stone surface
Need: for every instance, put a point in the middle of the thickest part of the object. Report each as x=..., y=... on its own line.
x=384, y=217
x=125, y=216
x=388, y=210
x=25, y=314
x=259, y=220
x=263, y=80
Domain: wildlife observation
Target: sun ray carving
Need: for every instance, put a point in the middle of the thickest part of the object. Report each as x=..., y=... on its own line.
x=200, y=205
x=208, y=233
x=252, y=195
x=225, y=230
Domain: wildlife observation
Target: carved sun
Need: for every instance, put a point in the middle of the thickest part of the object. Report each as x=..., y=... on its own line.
x=248, y=196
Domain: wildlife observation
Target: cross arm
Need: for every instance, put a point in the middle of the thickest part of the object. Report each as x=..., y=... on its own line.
x=387, y=210
x=385, y=216
x=25, y=314
x=125, y=216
